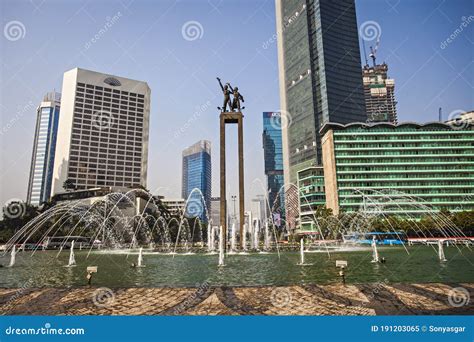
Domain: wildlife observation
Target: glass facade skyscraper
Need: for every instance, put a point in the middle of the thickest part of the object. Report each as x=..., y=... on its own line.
x=197, y=174
x=44, y=147
x=273, y=156
x=320, y=80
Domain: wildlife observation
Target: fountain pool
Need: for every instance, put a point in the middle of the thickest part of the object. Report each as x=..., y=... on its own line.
x=46, y=268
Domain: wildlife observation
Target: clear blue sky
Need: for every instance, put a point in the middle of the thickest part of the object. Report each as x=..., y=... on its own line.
x=146, y=43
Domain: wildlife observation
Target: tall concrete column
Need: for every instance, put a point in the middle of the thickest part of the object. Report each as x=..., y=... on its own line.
x=241, y=179
x=232, y=118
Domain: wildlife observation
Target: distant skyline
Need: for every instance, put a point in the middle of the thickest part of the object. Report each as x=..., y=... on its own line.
x=179, y=47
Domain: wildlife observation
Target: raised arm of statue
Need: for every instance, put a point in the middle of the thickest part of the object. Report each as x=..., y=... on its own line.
x=222, y=87
x=230, y=87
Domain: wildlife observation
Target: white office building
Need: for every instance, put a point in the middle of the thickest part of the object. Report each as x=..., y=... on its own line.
x=103, y=131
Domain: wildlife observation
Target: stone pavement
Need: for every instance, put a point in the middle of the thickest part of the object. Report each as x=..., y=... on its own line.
x=333, y=299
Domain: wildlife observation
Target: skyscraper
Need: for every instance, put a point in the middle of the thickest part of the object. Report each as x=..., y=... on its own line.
x=103, y=131
x=44, y=146
x=379, y=92
x=273, y=156
x=197, y=175
x=320, y=81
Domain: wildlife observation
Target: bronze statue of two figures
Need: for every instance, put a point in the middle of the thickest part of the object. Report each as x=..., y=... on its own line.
x=227, y=91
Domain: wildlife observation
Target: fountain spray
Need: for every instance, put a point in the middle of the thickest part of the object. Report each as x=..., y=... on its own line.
x=267, y=237
x=72, y=259
x=301, y=251
x=13, y=254
x=244, y=238
x=441, y=251
x=140, y=258
x=221, y=246
x=232, y=237
x=209, y=232
x=375, y=253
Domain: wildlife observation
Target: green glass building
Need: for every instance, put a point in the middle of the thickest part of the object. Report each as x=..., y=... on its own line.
x=405, y=169
x=311, y=197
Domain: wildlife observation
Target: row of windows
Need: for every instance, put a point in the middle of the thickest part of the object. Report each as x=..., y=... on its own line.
x=97, y=124
x=82, y=184
x=115, y=114
x=103, y=105
x=79, y=109
x=81, y=86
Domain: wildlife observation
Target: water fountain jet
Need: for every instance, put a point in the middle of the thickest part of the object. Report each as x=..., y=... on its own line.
x=441, y=251
x=72, y=259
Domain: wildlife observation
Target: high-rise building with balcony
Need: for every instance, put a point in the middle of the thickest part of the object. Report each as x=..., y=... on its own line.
x=405, y=169
x=44, y=147
x=379, y=92
x=197, y=178
x=103, y=131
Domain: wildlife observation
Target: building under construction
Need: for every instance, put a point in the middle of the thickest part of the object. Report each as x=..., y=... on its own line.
x=379, y=92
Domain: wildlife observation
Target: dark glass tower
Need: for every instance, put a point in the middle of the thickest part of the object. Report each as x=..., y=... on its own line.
x=320, y=81
x=197, y=175
x=273, y=155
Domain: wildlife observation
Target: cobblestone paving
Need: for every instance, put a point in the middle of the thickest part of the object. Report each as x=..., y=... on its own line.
x=333, y=299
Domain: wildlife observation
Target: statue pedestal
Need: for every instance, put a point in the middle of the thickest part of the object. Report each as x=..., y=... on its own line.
x=232, y=118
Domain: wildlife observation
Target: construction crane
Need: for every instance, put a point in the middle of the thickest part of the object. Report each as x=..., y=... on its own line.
x=365, y=54
x=373, y=51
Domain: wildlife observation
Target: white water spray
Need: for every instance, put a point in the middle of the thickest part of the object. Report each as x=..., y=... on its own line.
x=209, y=239
x=140, y=258
x=375, y=253
x=12, y=258
x=441, y=251
x=301, y=251
x=267, y=237
x=221, y=246
x=256, y=230
x=232, y=237
x=72, y=259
